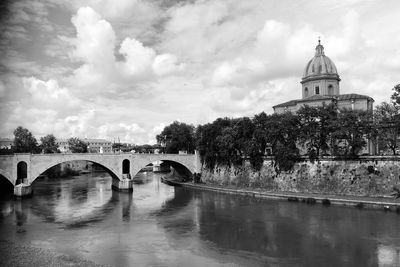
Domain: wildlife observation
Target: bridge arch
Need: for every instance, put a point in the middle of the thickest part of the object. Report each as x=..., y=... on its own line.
x=42, y=169
x=126, y=166
x=180, y=167
x=6, y=185
x=6, y=176
x=22, y=171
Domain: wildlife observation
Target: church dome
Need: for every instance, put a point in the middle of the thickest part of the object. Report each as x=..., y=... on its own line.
x=320, y=66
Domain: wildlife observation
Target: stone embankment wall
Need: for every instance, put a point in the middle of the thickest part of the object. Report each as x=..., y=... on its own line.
x=362, y=177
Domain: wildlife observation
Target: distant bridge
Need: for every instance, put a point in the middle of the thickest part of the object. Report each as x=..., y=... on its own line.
x=27, y=167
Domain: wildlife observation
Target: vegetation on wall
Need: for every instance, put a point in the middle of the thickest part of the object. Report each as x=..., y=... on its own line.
x=230, y=141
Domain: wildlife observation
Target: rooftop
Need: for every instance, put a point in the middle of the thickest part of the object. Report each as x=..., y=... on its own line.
x=323, y=97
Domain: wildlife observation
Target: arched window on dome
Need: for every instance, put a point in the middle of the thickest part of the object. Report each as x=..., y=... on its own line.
x=319, y=68
x=306, y=92
x=330, y=89
x=317, y=90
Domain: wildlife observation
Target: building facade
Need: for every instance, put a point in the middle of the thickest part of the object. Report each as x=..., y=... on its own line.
x=321, y=86
x=6, y=143
x=94, y=145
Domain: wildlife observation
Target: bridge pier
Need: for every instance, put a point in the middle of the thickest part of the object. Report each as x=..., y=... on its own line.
x=123, y=185
x=23, y=190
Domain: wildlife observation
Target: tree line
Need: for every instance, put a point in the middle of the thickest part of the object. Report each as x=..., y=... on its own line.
x=312, y=131
x=25, y=142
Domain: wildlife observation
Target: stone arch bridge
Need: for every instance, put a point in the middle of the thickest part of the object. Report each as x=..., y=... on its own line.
x=122, y=167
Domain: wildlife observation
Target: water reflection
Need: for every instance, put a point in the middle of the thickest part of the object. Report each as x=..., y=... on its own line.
x=74, y=202
x=167, y=226
x=21, y=215
x=126, y=201
x=282, y=233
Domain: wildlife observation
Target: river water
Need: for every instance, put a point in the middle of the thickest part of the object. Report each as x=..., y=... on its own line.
x=159, y=225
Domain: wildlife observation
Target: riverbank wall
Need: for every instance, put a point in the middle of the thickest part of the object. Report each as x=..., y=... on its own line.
x=368, y=176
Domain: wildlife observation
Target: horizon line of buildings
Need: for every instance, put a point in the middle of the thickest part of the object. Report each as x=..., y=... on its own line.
x=95, y=145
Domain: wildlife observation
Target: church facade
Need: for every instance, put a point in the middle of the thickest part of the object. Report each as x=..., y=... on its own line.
x=321, y=86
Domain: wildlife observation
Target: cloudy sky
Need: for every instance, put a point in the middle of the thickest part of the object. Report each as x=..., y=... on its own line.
x=127, y=68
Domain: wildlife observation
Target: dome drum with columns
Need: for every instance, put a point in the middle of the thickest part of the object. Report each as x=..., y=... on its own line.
x=320, y=86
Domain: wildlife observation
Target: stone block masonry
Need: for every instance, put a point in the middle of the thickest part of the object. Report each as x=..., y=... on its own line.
x=364, y=177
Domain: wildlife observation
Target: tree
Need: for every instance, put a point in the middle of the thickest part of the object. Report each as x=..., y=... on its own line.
x=177, y=136
x=353, y=127
x=24, y=141
x=227, y=151
x=282, y=132
x=315, y=128
x=244, y=129
x=207, y=144
x=48, y=144
x=255, y=154
x=387, y=124
x=260, y=122
x=77, y=146
x=395, y=98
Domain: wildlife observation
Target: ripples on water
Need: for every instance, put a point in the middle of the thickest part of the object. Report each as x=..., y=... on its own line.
x=159, y=225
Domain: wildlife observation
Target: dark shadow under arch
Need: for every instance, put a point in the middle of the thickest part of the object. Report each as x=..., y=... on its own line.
x=111, y=173
x=125, y=166
x=6, y=187
x=179, y=169
x=22, y=171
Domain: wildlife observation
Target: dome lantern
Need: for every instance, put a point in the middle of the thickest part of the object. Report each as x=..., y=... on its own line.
x=319, y=49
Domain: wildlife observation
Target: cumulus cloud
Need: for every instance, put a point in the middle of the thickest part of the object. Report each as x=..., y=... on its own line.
x=48, y=94
x=45, y=107
x=95, y=39
x=95, y=46
x=165, y=64
x=138, y=58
